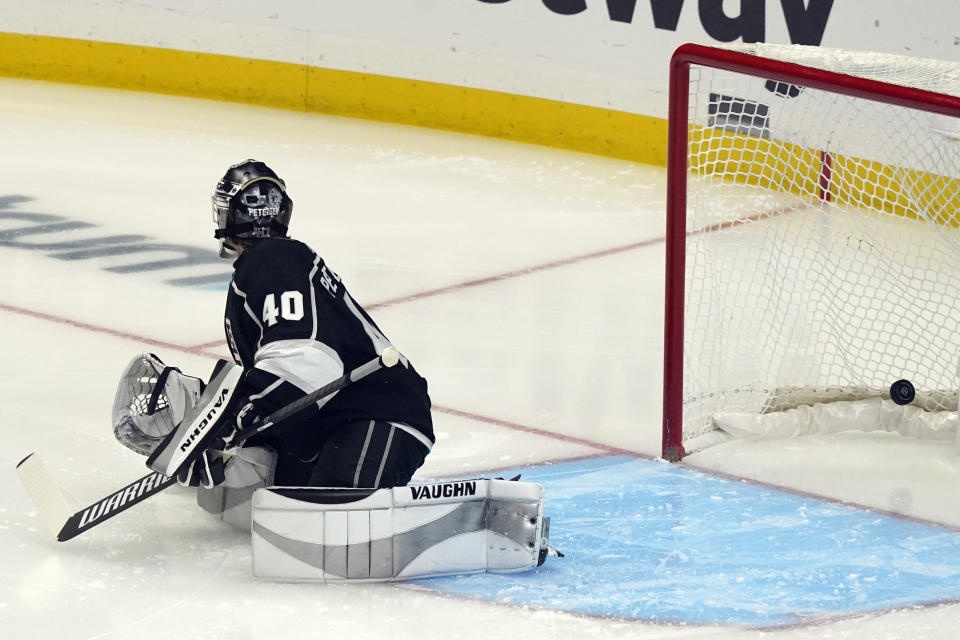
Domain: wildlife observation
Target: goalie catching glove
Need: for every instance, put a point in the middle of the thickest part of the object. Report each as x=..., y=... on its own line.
x=191, y=451
x=151, y=400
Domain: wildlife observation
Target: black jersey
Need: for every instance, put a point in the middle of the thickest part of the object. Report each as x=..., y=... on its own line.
x=292, y=325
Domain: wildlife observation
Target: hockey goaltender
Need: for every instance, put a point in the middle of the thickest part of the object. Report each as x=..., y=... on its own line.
x=324, y=491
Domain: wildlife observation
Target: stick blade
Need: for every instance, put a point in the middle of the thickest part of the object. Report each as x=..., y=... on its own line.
x=44, y=492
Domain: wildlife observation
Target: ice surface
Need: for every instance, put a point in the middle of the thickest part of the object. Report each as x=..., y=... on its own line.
x=662, y=543
x=526, y=283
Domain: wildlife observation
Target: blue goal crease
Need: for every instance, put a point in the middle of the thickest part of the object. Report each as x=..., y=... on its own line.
x=650, y=541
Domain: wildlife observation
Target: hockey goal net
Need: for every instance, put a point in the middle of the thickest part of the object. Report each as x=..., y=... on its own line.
x=813, y=249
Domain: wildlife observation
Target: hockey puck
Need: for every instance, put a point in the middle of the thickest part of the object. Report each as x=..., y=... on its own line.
x=902, y=392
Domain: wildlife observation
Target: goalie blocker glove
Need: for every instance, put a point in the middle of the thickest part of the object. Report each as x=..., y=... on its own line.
x=209, y=423
x=207, y=471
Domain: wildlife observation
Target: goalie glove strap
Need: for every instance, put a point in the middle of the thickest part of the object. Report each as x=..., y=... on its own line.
x=159, y=388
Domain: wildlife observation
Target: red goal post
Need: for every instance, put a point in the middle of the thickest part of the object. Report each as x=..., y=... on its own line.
x=754, y=151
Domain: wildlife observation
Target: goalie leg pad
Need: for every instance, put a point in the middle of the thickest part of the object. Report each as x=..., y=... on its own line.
x=342, y=534
x=249, y=469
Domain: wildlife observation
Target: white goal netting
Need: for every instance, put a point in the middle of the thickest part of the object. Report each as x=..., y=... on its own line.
x=822, y=251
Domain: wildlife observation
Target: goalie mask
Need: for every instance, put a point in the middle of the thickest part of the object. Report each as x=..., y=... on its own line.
x=250, y=201
x=151, y=400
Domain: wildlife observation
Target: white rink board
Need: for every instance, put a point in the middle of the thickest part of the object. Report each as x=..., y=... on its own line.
x=610, y=54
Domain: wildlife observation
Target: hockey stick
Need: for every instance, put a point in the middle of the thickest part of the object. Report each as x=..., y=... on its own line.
x=49, y=500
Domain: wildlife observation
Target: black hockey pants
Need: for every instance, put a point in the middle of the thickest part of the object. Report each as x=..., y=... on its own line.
x=368, y=454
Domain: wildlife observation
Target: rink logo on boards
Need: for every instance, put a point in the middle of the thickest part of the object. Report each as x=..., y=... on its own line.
x=806, y=19
x=120, y=499
x=738, y=115
x=445, y=490
x=71, y=240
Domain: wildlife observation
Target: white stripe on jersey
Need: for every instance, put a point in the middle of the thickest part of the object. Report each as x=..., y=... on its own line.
x=307, y=364
x=313, y=295
x=378, y=340
x=248, y=309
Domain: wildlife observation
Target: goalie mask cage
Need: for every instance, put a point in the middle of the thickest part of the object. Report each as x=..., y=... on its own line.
x=812, y=250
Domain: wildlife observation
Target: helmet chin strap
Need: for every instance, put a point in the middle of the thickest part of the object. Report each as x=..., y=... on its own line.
x=273, y=229
x=228, y=252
